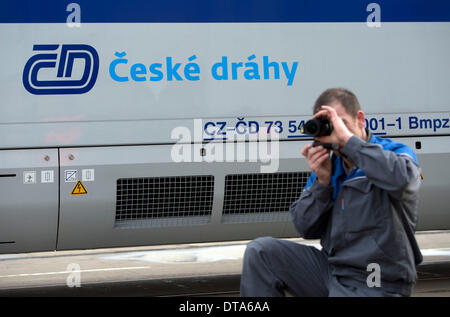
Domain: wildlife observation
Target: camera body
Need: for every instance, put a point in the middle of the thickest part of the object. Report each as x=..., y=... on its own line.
x=317, y=127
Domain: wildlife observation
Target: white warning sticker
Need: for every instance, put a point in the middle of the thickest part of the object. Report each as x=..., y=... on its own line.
x=47, y=176
x=70, y=176
x=29, y=177
x=87, y=175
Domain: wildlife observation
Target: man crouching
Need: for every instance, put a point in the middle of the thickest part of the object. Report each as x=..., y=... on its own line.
x=360, y=201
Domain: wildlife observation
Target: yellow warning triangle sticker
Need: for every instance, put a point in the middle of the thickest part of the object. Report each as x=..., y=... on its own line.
x=79, y=189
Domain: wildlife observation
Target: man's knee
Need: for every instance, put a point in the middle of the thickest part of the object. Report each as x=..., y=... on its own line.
x=262, y=244
x=258, y=277
x=256, y=248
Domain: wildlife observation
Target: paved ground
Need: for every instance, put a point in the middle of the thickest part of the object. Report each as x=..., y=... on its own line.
x=190, y=269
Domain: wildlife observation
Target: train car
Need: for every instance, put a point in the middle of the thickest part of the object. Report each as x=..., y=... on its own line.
x=126, y=123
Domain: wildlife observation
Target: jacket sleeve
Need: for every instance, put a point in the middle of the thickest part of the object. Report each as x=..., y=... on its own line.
x=311, y=211
x=396, y=173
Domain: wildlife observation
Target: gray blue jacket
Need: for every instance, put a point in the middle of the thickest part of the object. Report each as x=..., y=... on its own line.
x=368, y=216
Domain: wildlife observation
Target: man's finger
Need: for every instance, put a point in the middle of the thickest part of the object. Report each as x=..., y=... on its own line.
x=323, y=158
x=326, y=111
x=319, y=161
x=316, y=151
x=327, y=107
x=320, y=158
x=317, y=155
x=322, y=113
x=313, y=153
x=306, y=149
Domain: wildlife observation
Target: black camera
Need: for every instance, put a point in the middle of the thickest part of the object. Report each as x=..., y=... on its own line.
x=317, y=127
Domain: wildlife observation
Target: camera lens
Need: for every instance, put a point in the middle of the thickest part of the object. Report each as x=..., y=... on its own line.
x=312, y=127
x=317, y=127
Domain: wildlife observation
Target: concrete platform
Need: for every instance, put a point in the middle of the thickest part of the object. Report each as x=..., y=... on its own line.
x=209, y=269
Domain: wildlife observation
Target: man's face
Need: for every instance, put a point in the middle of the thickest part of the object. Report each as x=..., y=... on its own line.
x=354, y=124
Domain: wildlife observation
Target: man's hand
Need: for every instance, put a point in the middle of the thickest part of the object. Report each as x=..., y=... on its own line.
x=318, y=160
x=340, y=134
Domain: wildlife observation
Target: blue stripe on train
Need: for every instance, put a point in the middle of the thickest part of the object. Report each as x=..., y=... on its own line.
x=182, y=11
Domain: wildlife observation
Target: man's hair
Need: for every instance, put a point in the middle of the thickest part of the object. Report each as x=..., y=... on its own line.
x=344, y=96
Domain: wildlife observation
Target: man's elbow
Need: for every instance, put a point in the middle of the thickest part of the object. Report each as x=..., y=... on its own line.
x=408, y=185
x=305, y=229
x=299, y=223
x=405, y=177
x=311, y=235
x=305, y=232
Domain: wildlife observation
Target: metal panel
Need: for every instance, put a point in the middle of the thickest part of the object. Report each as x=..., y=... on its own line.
x=28, y=200
x=177, y=200
x=90, y=220
x=408, y=74
x=434, y=198
x=261, y=197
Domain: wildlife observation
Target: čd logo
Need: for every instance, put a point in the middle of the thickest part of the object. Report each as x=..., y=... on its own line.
x=39, y=72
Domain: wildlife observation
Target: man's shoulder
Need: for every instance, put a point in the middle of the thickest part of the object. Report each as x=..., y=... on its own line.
x=394, y=146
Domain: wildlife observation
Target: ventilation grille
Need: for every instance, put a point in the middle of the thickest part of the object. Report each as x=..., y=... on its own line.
x=262, y=193
x=164, y=197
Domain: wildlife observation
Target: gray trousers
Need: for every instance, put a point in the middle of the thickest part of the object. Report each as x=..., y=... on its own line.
x=272, y=266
